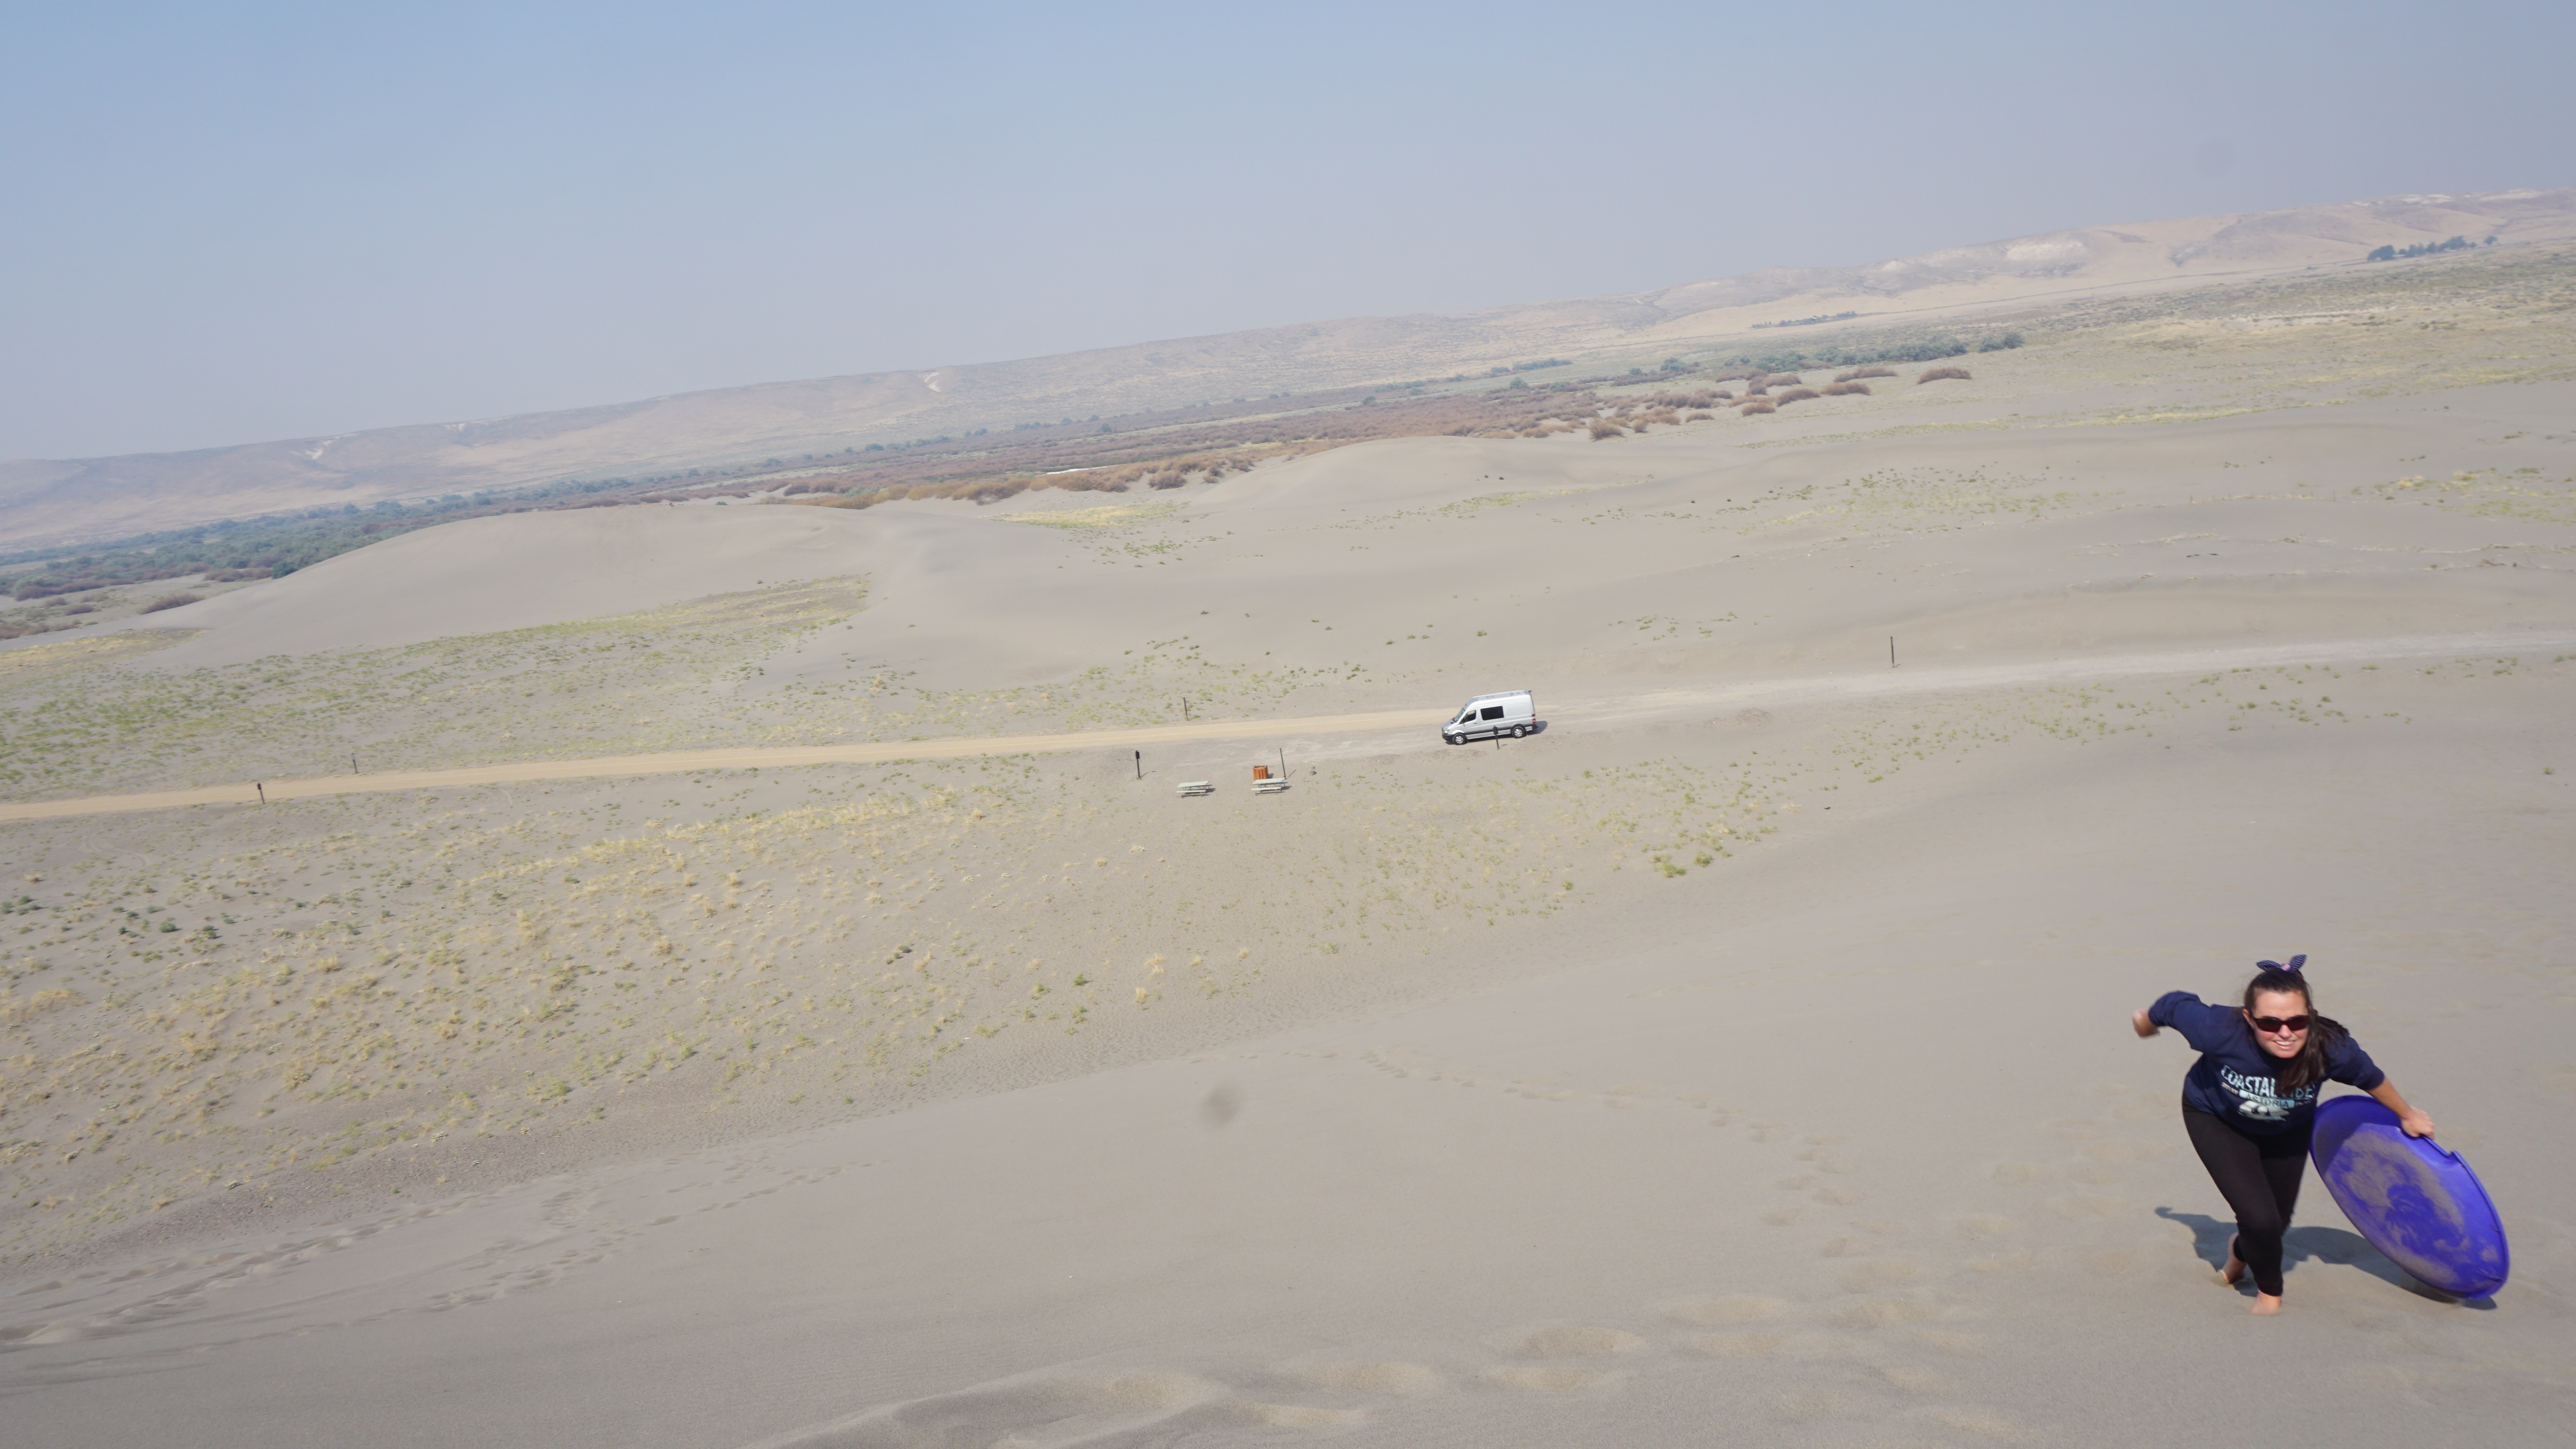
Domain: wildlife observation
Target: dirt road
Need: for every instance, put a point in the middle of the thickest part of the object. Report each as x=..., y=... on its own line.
x=1660, y=705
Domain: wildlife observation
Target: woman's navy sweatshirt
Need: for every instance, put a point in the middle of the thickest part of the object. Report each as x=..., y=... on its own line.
x=2233, y=1079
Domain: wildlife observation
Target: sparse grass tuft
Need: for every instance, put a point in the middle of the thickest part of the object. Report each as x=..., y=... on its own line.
x=168, y=601
x=1796, y=394
x=1846, y=389
x=1857, y=373
x=1758, y=405
x=1942, y=374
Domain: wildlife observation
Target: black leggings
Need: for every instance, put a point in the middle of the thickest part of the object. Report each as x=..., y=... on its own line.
x=2259, y=1177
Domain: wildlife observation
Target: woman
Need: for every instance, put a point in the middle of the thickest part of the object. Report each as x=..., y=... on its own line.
x=2251, y=1099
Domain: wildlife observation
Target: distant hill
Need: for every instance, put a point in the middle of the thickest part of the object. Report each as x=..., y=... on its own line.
x=47, y=503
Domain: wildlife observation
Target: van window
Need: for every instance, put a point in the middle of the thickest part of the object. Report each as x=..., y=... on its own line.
x=1493, y=711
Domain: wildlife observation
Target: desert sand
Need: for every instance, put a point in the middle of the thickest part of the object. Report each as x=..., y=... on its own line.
x=890, y=1057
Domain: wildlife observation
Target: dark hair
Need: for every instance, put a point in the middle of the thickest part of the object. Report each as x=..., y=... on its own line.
x=2308, y=1068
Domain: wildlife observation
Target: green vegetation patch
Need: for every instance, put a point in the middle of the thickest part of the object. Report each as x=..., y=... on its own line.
x=621, y=684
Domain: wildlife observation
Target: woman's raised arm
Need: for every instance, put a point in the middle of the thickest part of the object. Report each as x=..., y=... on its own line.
x=2412, y=1122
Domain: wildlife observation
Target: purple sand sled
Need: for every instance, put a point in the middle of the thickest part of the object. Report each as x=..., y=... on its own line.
x=2411, y=1197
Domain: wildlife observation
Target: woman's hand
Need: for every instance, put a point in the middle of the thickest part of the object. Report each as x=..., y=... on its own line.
x=2138, y=1022
x=2410, y=1121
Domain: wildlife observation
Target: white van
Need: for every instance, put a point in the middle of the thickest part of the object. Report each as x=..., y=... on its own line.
x=1489, y=716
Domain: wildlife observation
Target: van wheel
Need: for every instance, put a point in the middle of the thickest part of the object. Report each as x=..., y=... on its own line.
x=1519, y=730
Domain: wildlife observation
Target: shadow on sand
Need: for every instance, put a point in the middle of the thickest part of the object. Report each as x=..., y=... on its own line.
x=2337, y=1246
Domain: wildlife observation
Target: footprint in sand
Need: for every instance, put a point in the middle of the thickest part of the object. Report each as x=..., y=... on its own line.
x=2083, y=1208
x=1410, y=1380
x=1730, y=1308
x=1044, y=1407
x=1881, y=1274
x=1980, y=1422
x=1554, y=1378
x=1563, y=1342
x=1570, y=1342
x=1291, y=1416
x=1955, y=1341
x=1869, y=1313
x=1752, y=1344
x=2123, y=1151
x=1984, y=1226
x=1805, y=1405
x=1051, y=1407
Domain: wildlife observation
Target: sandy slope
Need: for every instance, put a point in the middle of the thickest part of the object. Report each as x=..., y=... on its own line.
x=1743, y=1057
x=514, y=572
x=1845, y=1148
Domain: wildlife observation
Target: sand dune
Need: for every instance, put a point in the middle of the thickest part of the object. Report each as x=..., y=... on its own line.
x=1744, y=1055
x=520, y=571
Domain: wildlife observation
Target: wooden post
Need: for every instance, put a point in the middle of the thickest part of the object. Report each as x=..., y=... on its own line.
x=1140, y=764
x=1891, y=651
x=262, y=788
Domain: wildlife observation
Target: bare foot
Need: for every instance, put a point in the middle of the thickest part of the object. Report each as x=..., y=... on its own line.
x=2235, y=1269
x=2265, y=1305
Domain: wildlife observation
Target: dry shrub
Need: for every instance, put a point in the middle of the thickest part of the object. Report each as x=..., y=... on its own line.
x=1722, y=396
x=1607, y=429
x=1774, y=379
x=1846, y=389
x=1758, y=405
x=169, y=601
x=1664, y=415
x=1796, y=394
x=1757, y=388
x=1857, y=373
x=1698, y=417
x=1942, y=374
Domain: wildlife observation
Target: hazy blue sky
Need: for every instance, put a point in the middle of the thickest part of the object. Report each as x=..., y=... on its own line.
x=236, y=222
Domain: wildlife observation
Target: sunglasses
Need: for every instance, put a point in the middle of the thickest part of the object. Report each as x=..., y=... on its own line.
x=2277, y=1024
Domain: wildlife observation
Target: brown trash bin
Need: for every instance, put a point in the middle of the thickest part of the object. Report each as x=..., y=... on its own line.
x=1261, y=772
